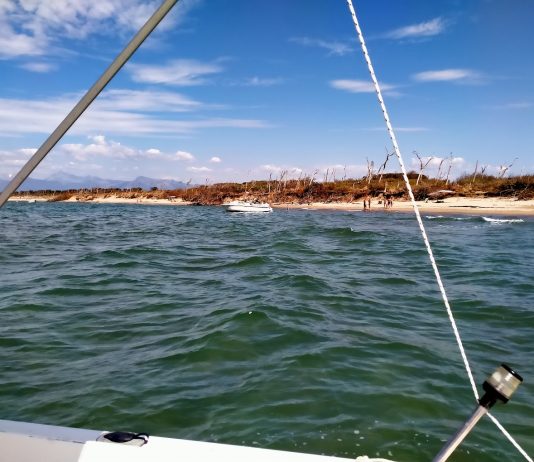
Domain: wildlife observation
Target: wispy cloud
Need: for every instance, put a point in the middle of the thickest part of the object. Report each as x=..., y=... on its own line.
x=180, y=72
x=13, y=44
x=122, y=112
x=12, y=161
x=400, y=129
x=215, y=160
x=333, y=47
x=430, y=28
x=449, y=75
x=146, y=100
x=359, y=86
x=262, y=81
x=516, y=105
x=30, y=28
x=40, y=67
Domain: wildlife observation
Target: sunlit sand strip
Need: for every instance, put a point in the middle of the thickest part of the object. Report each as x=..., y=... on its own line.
x=451, y=205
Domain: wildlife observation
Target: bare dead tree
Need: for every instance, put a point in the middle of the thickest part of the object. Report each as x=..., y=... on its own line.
x=382, y=168
x=483, y=169
x=283, y=176
x=450, y=168
x=504, y=168
x=344, y=173
x=423, y=163
x=475, y=173
x=370, y=167
x=187, y=186
x=312, y=179
x=439, y=168
x=280, y=180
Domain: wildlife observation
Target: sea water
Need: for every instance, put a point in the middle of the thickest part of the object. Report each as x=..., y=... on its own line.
x=311, y=331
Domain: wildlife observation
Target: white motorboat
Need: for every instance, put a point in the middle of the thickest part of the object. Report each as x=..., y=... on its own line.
x=247, y=206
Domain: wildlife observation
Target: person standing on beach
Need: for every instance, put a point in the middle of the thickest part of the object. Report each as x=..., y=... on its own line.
x=367, y=203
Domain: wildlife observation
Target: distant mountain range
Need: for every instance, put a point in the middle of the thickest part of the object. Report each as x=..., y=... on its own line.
x=62, y=181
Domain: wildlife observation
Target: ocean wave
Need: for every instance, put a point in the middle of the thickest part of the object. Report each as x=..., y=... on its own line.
x=444, y=218
x=474, y=218
x=502, y=220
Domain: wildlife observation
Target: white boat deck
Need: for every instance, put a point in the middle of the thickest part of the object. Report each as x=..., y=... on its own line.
x=26, y=442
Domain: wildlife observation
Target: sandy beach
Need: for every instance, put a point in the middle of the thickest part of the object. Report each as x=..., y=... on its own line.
x=449, y=206
x=452, y=205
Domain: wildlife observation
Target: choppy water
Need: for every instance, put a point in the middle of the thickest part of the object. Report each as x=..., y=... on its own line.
x=313, y=331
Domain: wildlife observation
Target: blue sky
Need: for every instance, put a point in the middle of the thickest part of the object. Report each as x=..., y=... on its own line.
x=240, y=90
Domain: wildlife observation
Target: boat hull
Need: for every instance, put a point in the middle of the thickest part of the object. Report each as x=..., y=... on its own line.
x=248, y=207
x=27, y=442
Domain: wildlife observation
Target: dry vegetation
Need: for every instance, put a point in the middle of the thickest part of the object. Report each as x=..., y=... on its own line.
x=307, y=189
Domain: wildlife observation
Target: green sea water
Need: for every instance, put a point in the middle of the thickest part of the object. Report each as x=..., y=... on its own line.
x=311, y=331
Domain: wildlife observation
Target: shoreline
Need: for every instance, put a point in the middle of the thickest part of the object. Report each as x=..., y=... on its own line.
x=452, y=205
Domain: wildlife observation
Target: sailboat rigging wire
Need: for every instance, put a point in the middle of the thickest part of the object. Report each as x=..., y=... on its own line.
x=422, y=227
x=86, y=100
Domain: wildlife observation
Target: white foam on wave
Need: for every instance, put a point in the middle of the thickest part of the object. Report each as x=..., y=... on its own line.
x=441, y=217
x=502, y=220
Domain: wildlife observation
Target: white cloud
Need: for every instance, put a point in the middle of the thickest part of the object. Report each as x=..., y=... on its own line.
x=32, y=27
x=424, y=29
x=288, y=171
x=12, y=161
x=518, y=105
x=180, y=72
x=439, y=165
x=27, y=151
x=183, y=155
x=271, y=168
x=146, y=100
x=445, y=75
x=118, y=112
x=339, y=171
x=334, y=48
x=98, y=153
x=215, y=160
x=199, y=169
x=359, y=86
x=40, y=67
x=401, y=129
x=100, y=147
x=13, y=44
x=263, y=82
x=153, y=153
